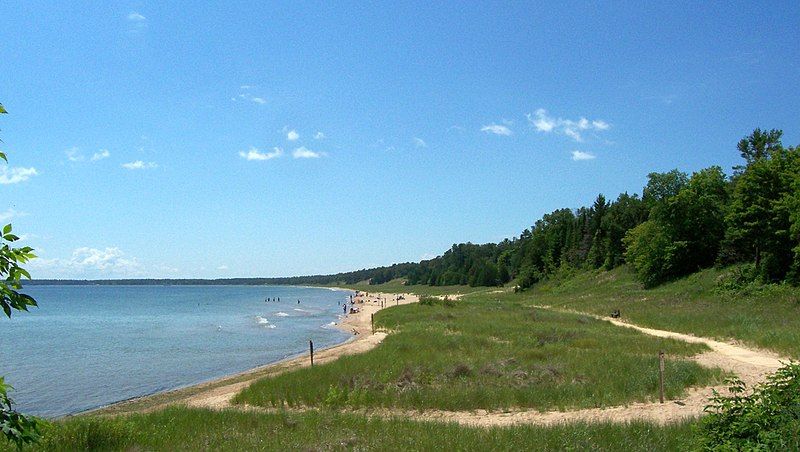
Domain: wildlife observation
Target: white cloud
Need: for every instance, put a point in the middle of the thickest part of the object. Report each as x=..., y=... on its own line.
x=90, y=263
x=543, y=122
x=580, y=155
x=303, y=153
x=15, y=175
x=102, y=154
x=222, y=267
x=496, y=129
x=259, y=100
x=10, y=214
x=138, y=165
x=292, y=135
x=319, y=136
x=137, y=23
x=574, y=134
x=245, y=86
x=254, y=154
x=74, y=154
x=420, y=143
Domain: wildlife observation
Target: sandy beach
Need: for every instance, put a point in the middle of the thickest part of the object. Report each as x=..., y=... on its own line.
x=219, y=392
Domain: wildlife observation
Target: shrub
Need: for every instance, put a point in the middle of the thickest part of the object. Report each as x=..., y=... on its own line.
x=767, y=419
x=436, y=301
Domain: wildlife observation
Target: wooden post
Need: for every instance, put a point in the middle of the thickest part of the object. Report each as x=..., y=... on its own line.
x=311, y=351
x=661, y=376
x=372, y=322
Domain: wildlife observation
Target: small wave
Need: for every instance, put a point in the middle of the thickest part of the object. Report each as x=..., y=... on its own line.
x=270, y=326
x=281, y=314
x=302, y=310
x=329, y=325
x=261, y=320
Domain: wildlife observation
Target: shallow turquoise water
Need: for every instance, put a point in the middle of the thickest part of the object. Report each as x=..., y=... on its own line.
x=88, y=346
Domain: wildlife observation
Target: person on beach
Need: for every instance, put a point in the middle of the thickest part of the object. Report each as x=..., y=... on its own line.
x=344, y=309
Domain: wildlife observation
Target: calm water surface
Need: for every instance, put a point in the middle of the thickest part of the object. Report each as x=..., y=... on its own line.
x=88, y=346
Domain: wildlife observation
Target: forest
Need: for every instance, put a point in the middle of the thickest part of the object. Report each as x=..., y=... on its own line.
x=680, y=224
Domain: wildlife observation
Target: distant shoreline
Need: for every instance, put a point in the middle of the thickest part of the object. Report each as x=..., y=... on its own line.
x=292, y=281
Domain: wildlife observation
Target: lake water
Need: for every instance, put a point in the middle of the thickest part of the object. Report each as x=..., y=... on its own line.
x=88, y=346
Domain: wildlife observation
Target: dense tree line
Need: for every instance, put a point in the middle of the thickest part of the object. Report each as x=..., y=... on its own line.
x=679, y=225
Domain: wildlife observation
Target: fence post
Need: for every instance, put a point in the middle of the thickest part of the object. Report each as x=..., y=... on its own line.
x=372, y=322
x=661, y=376
x=311, y=351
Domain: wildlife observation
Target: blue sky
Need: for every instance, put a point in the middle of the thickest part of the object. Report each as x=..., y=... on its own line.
x=267, y=139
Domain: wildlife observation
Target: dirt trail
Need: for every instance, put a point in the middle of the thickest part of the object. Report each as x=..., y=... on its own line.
x=751, y=365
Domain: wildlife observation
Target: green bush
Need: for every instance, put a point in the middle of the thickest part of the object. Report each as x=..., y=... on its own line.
x=767, y=419
x=436, y=301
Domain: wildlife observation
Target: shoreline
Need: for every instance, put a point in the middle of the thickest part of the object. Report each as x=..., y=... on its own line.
x=219, y=391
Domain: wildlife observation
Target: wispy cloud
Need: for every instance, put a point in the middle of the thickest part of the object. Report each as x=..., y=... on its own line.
x=496, y=129
x=15, y=175
x=139, y=165
x=420, y=143
x=100, y=155
x=580, y=155
x=254, y=154
x=303, y=153
x=74, y=154
x=91, y=262
x=246, y=96
x=319, y=136
x=222, y=267
x=136, y=22
x=10, y=214
x=574, y=129
x=292, y=135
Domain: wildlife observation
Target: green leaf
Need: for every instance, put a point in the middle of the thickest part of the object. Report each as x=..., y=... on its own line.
x=2, y=109
x=7, y=229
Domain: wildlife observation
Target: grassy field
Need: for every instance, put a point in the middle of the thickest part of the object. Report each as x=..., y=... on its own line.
x=490, y=353
x=768, y=317
x=194, y=429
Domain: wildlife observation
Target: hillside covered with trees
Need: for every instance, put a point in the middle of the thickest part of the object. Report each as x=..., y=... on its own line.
x=680, y=224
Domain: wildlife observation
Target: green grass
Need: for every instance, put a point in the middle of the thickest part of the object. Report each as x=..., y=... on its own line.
x=179, y=428
x=489, y=351
x=767, y=318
